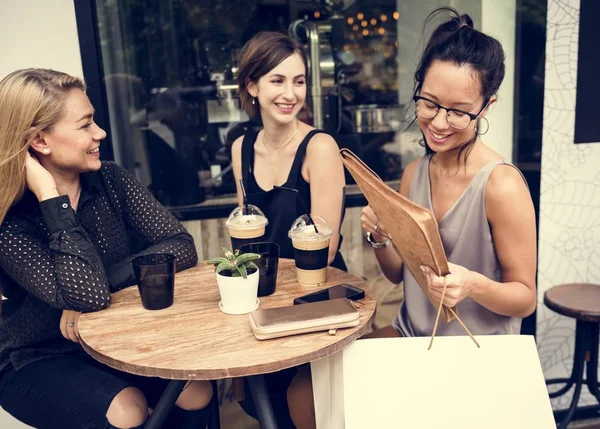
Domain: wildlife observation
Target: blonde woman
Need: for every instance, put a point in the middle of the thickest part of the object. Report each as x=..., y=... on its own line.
x=69, y=227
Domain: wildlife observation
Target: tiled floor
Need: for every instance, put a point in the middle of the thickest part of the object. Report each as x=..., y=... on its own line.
x=233, y=417
x=585, y=424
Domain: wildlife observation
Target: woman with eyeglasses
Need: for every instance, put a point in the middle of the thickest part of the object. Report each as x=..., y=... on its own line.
x=481, y=202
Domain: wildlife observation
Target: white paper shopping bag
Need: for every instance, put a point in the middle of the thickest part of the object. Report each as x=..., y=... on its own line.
x=399, y=383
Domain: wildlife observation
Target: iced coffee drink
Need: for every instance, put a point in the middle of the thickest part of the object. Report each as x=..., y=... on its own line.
x=246, y=225
x=311, y=249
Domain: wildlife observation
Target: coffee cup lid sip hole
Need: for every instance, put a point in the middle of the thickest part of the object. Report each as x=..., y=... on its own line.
x=303, y=228
x=246, y=217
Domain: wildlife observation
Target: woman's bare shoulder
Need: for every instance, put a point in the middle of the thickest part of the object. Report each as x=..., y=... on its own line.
x=408, y=174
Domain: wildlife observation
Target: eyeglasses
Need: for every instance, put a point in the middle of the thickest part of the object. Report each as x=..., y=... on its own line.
x=456, y=118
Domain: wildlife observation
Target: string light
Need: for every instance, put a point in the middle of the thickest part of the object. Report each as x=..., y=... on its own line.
x=360, y=15
x=373, y=21
x=355, y=27
x=317, y=14
x=396, y=15
x=381, y=30
x=383, y=18
x=365, y=32
x=363, y=24
x=350, y=21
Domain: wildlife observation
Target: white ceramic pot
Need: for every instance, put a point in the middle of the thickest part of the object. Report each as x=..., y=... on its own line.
x=238, y=295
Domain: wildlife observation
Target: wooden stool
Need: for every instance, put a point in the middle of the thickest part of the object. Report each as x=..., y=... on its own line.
x=580, y=301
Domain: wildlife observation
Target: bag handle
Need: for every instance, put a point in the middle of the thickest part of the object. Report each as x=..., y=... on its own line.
x=437, y=319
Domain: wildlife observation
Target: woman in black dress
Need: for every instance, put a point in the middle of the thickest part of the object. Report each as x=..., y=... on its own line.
x=285, y=152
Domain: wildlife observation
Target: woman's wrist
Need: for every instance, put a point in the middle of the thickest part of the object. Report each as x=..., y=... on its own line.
x=46, y=194
x=376, y=244
x=478, y=284
x=379, y=238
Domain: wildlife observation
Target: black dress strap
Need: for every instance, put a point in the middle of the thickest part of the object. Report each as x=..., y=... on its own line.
x=248, y=154
x=299, y=158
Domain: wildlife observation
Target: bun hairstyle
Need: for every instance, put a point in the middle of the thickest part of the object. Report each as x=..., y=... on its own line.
x=456, y=41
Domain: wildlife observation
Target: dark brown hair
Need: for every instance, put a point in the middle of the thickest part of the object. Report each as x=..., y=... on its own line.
x=456, y=41
x=265, y=51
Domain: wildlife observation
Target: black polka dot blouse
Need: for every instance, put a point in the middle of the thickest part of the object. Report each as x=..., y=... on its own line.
x=53, y=258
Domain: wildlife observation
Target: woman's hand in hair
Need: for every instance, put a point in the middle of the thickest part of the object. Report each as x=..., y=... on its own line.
x=458, y=283
x=39, y=180
x=68, y=325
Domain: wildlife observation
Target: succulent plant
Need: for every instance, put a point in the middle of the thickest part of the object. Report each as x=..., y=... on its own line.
x=234, y=263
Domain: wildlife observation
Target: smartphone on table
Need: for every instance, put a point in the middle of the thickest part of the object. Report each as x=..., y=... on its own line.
x=338, y=291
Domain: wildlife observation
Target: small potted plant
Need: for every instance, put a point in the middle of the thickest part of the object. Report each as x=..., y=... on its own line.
x=237, y=279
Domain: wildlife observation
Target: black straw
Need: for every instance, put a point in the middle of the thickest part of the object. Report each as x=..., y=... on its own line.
x=245, y=209
x=302, y=203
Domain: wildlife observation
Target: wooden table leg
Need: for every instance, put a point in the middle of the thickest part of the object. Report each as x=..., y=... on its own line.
x=262, y=402
x=164, y=405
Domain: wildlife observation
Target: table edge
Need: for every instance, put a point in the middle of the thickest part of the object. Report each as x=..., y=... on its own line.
x=217, y=374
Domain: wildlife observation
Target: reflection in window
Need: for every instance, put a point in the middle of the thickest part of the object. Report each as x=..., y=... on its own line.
x=170, y=69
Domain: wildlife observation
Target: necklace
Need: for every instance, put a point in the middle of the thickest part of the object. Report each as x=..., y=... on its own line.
x=287, y=142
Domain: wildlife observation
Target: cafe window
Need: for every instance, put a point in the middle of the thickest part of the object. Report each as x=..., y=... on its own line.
x=169, y=72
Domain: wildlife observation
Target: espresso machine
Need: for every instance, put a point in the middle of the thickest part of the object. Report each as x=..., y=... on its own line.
x=321, y=39
x=332, y=103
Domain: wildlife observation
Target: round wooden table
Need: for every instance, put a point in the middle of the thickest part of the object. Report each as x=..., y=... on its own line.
x=194, y=340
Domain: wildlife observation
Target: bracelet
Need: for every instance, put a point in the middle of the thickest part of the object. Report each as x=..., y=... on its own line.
x=375, y=244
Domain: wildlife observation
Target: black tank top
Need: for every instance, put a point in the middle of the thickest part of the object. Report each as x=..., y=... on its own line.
x=281, y=207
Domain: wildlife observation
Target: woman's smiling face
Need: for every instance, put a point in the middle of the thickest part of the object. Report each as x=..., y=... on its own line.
x=451, y=86
x=282, y=91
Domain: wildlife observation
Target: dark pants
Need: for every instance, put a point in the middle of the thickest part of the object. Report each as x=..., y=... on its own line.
x=277, y=385
x=76, y=392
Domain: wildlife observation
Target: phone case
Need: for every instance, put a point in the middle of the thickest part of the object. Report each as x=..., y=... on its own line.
x=301, y=319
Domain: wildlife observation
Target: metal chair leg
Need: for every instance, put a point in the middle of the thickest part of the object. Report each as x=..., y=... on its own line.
x=262, y=402
x=164, y=405
x=578, y=359
x=581, y=345
x=214, y=417
x=592, y=364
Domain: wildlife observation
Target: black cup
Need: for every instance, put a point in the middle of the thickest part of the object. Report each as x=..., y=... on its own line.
x=237, y=243
x=267, y=265
x=155, y=274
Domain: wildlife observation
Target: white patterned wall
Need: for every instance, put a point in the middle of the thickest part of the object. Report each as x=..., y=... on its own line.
x=569, y=242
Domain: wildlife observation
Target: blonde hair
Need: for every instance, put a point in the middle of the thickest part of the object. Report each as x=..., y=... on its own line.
x=31, y=100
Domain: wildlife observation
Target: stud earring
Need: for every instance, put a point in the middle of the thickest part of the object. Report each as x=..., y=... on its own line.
x=46, y=151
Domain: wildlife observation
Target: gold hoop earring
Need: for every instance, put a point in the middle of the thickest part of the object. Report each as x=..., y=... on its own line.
x=487, y=128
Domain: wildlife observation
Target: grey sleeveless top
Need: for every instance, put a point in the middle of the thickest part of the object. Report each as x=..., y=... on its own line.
x=467, y=240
